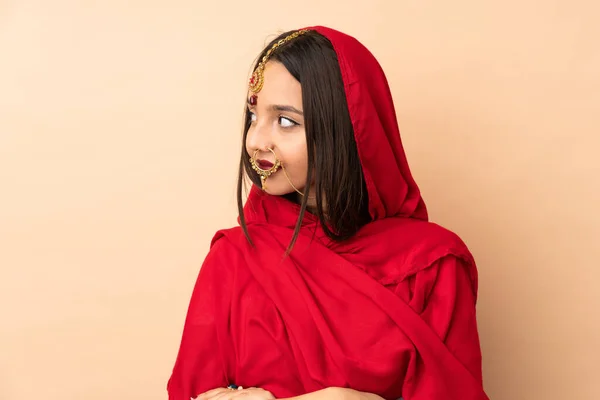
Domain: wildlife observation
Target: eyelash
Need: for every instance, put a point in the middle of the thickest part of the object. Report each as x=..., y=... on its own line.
x=294, y=123
x=279, y=118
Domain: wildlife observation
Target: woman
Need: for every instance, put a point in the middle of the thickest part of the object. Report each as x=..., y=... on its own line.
x=335, y=285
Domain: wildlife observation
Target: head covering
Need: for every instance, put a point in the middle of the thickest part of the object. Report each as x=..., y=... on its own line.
x=390, y=311
x=391, y=187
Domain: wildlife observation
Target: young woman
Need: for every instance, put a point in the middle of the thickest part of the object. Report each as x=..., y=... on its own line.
x=335, y=285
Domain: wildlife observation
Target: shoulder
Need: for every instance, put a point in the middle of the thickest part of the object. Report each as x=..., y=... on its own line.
x=229, y=246
x=405, y=247
x=445, y=278
x=222, y=252
x=221, y=262
x=229, y=238
x=438, y=238
x=416, y=237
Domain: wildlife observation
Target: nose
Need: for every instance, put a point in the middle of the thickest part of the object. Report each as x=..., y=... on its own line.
x=259, y=138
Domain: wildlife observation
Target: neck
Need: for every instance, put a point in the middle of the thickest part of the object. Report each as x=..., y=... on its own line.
x=311, y=204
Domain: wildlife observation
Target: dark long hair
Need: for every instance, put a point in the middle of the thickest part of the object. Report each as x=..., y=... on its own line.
x=341, y=194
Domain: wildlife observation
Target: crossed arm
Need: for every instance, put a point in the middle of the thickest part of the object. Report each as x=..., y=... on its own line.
x=332, y=393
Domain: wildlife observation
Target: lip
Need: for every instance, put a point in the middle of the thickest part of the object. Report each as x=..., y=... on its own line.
x=264, y=164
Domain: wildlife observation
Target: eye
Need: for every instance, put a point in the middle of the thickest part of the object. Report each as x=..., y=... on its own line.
x=252, y=116
x=286, y=122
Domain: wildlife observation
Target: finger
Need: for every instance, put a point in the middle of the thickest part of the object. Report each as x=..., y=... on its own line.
x=211, y=394
x=226, y=395
x=238, y=394
x=251, y=393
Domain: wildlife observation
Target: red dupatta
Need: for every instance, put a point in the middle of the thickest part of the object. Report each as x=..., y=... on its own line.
x=391, y=311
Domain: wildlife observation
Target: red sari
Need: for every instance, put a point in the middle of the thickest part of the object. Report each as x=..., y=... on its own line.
x=391, y=311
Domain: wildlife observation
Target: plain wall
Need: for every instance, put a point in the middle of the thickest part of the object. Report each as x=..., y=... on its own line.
x=119, y=134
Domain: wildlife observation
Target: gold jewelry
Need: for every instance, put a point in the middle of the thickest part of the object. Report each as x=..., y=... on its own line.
x=290, y=181
x=264, y=173
x=258, y=79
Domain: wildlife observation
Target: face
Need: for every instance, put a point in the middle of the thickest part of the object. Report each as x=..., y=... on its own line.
x=278, y=124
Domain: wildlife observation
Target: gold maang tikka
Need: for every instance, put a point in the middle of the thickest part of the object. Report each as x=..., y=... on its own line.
x=258, y=79
x=255, y=85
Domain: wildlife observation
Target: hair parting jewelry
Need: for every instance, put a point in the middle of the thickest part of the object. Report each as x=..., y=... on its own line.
x=257, y=80
x=253, y=100
x=256, y=83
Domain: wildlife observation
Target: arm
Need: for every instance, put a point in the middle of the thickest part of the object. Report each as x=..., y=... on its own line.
x=331, y=393
x=444, y=296
x=198, y=366
x=334, y=393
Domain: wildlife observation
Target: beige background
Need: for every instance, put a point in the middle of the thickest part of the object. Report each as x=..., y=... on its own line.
x=119, y=130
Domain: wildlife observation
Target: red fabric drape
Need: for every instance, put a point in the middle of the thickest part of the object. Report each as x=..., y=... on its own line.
x=391, y=311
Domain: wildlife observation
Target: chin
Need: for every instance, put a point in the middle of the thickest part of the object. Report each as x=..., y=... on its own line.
x=274, y=191
x=277, y=188
x=278, y=185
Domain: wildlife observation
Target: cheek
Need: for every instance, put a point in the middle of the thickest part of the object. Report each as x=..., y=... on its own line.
x=297, y=158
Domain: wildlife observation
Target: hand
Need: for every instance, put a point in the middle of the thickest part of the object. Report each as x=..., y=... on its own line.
x=227, y=394
x=351, y=394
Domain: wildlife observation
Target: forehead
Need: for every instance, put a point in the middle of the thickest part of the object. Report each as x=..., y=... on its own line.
x=279, y=87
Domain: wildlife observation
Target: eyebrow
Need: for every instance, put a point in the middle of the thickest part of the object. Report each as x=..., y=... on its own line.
x=278, y=107
x=281, y=107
